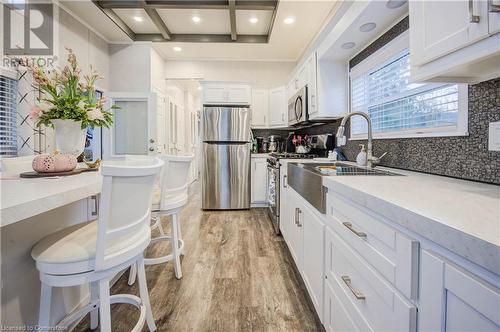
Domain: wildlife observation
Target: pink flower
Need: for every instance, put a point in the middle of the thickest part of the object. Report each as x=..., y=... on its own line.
x=95, y=114
x=35, y=112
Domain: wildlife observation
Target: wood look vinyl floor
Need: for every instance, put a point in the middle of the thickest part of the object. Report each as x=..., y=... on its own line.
x=237, y=276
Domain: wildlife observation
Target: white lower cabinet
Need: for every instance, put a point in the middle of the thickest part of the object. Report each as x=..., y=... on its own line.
x=314, y=250
x=380, y=304
x=259, y=180
x=451, y=299
x=303, y=231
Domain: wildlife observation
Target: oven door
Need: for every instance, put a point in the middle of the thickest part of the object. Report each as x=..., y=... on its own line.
x=273, y=196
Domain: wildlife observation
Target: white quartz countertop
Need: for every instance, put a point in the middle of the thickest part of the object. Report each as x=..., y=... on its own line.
x=461, y=216
x=24, y=198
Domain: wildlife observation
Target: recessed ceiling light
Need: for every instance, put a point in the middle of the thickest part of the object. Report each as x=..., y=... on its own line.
x=392, y=4
x=348, y=45
x=138, y=18
x=199, y=88
x=253, y=20
x=196, y=19
x=177, y=49
x=289, y=20
x=367, y=27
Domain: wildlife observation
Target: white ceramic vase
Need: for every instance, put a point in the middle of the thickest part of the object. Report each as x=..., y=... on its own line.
x=70, y=137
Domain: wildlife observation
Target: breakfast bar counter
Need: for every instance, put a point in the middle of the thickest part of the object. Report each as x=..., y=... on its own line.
x=25, y=198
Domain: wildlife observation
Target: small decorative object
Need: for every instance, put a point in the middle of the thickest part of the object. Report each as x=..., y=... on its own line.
x=54, y=163
x=67, y=104
x=95, y=164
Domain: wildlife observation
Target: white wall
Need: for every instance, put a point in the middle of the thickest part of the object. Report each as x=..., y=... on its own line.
x=130, y=68
x=158, y=72
x=89, y=48
x=258, y=74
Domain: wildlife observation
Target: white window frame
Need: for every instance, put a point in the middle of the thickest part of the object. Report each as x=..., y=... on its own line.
x=390, y=50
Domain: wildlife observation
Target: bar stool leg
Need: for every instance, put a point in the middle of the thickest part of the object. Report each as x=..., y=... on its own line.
x=132, y=272
x=179, y=234
x=94, y=314
x=45, y=302
x=105, y=306
x=143, y=290
x=175, y=246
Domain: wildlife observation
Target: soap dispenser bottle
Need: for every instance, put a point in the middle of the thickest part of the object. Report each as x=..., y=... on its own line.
x=361, y=159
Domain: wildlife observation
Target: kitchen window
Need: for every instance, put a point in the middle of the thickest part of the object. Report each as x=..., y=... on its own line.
x=381, y=87
x=8, y=115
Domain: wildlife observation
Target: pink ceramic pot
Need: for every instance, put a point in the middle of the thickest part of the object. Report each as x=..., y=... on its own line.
x=54, y=163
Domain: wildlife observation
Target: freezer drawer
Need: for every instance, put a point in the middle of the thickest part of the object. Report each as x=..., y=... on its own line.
x=226, y=124
x=226, y=176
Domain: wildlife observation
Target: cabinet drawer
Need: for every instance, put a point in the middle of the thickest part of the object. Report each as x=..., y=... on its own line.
x=381, y=305
x=391, y=253
x=340, y=314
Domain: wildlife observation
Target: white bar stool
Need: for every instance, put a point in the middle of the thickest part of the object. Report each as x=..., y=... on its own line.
x=93, y=253
x=169, y=199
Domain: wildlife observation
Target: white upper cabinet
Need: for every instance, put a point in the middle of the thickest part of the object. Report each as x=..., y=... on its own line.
x=312, y=93
x=260, y=107
x=439, y=27
x=494, y=16
x=454, y=41
x=226, y=94
x=278, y=115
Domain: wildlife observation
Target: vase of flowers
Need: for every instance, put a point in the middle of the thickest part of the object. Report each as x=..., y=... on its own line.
x=67, y=104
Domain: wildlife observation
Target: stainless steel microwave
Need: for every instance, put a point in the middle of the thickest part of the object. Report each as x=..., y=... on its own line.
x=297, y=108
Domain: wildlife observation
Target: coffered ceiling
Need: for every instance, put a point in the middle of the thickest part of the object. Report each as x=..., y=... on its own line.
x=267, y=30
x=164, y=20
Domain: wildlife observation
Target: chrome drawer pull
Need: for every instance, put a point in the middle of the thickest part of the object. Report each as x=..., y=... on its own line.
x=349, y=227
x=357, y=295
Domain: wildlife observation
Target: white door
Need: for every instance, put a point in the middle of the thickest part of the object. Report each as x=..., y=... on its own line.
x=134, y=125
x=180, y=129
x=441, y=27
x=172, y=127
x=259, y=106
x=161, y=123
x=278, y=107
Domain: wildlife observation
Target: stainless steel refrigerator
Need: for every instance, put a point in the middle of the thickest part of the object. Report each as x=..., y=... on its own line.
x=226, y=158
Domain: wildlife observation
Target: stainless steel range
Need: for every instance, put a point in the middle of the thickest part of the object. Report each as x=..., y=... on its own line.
x=273, y=188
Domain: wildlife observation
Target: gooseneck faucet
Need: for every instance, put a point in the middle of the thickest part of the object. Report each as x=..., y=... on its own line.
x=342, y=140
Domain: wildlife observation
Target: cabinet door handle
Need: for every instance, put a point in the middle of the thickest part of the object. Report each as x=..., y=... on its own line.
x=95, y=212
x=313, y=100
x=473, y=18
x=284, y=182
x=348, y=225
x=298, y=217
x=348, y=282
